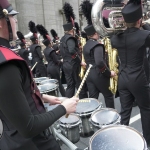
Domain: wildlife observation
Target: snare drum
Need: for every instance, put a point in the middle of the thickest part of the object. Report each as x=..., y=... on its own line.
x=49, y=107
x=50, y=89
x=104, y=117
x=49, y=81
x=70, y=127
x=39, y=80
x=117, y=137
x=84, y=109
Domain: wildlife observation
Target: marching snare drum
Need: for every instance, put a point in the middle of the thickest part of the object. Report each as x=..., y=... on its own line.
x=84, y=109
x=70, y=127
x=117, y=137
x=49, y=107
x=50, y=89
x=49, y=81
x=39, y=80
x=104, y=117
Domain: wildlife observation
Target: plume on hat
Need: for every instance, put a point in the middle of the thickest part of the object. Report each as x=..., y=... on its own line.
x=32, y=27
x=77, y=28
x=21, y=36
x=54, y=34
x=68, y=11
x=41, y=29
x=86, y=7
x=137, y=2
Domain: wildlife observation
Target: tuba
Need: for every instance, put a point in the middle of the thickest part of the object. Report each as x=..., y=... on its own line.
x=107, y=19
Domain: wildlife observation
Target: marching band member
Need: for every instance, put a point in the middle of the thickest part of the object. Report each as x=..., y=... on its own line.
x=23, y=52
x=98, y=79
x=25, y=121
x=133, y=83
x=53, y=68
x=35, y=49
x=70, y=53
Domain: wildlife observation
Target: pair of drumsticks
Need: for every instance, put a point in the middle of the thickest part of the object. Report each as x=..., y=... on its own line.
x=82, y=83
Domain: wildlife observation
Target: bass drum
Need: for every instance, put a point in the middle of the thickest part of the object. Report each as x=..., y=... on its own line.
x=117, y=137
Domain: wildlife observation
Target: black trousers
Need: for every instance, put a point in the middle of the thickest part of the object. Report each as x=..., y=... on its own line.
x=41, y=70
x=73, y=80
x=130, y=90
x=54, y=73
x=96, y=83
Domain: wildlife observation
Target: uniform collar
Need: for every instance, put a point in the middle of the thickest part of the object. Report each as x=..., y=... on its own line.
x=133, y=29
x=4, y=42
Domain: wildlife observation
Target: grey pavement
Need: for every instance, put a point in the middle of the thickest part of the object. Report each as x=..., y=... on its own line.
x=84, y=142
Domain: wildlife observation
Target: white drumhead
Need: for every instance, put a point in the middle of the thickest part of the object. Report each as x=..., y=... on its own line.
x=105, y=116
x=117, y=137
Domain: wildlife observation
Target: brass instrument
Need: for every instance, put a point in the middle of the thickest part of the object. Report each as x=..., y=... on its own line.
x=82, y=71
x=107, y=19
x=113, y=65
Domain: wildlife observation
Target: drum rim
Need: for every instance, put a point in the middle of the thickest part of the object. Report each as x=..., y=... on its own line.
x=89, y=112
x=48, y=80
x=53, y=89
x=1, y=124
x=35, y=79
x=101, y=125
x=70, y=125
x=115, y=126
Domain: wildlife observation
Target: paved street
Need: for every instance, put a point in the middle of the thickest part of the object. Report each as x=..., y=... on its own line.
x=135, y=122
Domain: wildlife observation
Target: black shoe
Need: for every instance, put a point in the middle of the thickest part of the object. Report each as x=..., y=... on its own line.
x=134, y=104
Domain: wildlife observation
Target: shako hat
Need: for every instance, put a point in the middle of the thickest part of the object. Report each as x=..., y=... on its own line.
x=70, y=17
x=41, y=29
x=21, y=38
x=132, y=11
x=86, y=7
x=33, y=29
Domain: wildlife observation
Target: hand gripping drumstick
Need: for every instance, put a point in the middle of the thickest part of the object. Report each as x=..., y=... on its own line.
x=34, y=66
x=82, y=83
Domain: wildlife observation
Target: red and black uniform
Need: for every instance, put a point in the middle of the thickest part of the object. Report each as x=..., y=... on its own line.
x=71, y=65
x=23, y=115
x=53, y=67
x=133, y=82
x=38, y=57
x=98, y=79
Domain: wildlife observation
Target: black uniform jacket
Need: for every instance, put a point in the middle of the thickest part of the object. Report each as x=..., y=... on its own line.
x=22, y=112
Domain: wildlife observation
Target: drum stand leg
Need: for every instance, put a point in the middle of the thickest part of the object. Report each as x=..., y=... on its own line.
x=65, y=140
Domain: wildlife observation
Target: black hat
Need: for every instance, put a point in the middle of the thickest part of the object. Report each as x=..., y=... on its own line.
x=6, y=9
x=21, y=38
x=45, y=34
x=86, y=8
x=54, y=34
x=70, y=17
x=132, y=11
x=33, y=29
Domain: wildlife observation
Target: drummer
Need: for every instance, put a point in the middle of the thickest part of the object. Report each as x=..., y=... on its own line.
x=23, y=115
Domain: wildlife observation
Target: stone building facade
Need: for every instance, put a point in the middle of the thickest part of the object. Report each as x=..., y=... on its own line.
x=46, y=12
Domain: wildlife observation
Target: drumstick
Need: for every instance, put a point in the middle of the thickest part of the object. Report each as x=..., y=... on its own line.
x=81, y=85
x=34, y=66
